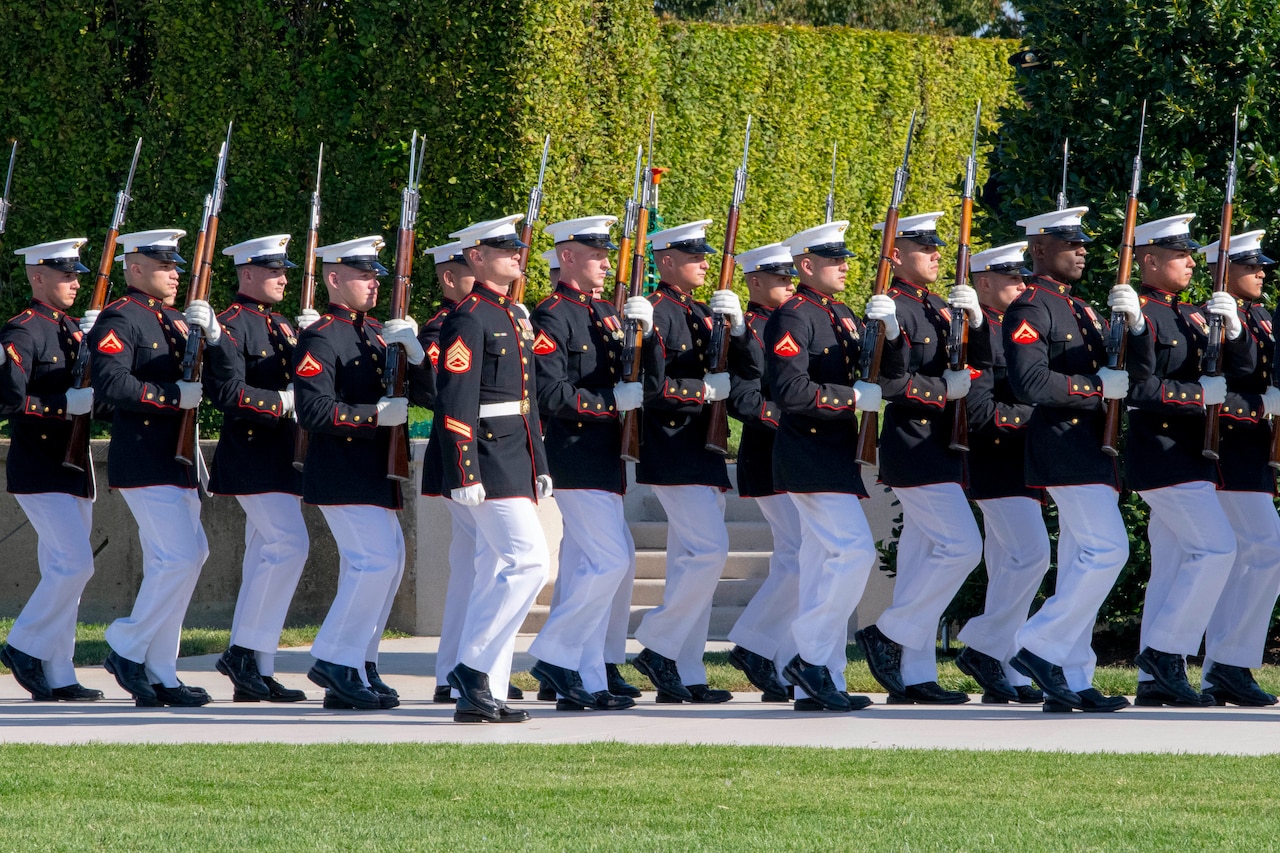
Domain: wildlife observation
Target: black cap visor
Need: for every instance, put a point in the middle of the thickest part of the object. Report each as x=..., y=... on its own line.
x=924, y=238
x=1255, y=258
x=512, y=242
x=366, y=264
x=275, y=262
x=164, y=254
x=1180, y=242
x=1069, y=234
x=596, y=241
x=788, y=270
x=830, y=250
x=699, y=246
x=64, y=265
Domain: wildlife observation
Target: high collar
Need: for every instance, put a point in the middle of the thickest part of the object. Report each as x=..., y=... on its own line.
x=675, y=294
x=44, y=309
x=913, y=290
x=342, y=312
x=252, y=304
x=1052, y=285
x=572, y=294
x=145, y=299
x=758, y=309
x=488, y=294
x=814, y=296
x=1155, y=294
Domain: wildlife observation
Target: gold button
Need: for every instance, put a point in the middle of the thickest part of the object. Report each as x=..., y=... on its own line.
x=1068, y=336
x=1075, y=420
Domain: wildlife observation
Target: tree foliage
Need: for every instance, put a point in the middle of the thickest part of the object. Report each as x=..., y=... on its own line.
x=953, y=17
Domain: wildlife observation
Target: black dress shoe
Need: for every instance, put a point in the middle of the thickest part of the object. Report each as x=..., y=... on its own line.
x=759, y=670
x=1170, y=672
x=927, y=693
x=376, y=684
x=884, y=658
x=1027, y=695
x=779, y=697
x=856, y=703
x=604, y=701
x=815, y=680
x=988, y=672
x=280, y=693
x=28, y=672
x=466, y=712
x=130, y=675
x=334, y=702
x=443, y=695
x=1049, y=676
x=514, y=692
x=663, y=673
x=475, y=698
x=617, y=685
x=704, y=695
x=72, y=693
x=1152, y=695
x=241, y=666
x=1095, y=702
x=181, y=696
x=566, y=682
x=546, y=693
x=345, y=683
x=1235, y=685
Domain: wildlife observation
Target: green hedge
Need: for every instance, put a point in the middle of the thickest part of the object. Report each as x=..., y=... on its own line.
x=79, y=80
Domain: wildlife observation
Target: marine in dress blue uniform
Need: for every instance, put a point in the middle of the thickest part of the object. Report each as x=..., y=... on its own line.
x=1192, y=545
x=1016, y=544
x=940, y=543
x=486, y=454
x=813, y=348
x=1055, y=352
x=1237, y=632
x=137, y=345
x=688, y=480
x=578, y=340
x=38, y=350
x=254, y=462
x=339, y=395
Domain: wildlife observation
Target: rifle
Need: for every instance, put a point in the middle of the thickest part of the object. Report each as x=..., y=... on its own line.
x=198, y=289
x=77, y=456
x=958, y=340
x=628, y=225
x=1117, y=334
x=306, y=300
x=632, y=334
x=526, y=232
x=873, y=339
x=398, y=449
x=1210, y=363
x=831, y=193
x=5, y=204
x=718, y=422
x=1062, y=194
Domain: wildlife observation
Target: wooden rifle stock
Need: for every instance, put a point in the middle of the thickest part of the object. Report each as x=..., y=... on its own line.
x=193, y=356
x=1212, y=362
x=1119, y=334
x=635, y=337
x=395, y=376
x=516, y=293
x=958, y=339
x=869, y=429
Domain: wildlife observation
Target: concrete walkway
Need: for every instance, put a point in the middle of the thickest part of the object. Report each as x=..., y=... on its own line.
x=409, y=664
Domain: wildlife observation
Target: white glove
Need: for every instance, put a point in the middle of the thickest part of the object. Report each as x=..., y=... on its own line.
x=405, y=333
x=79, y=401
x=393, y=411
x=628, y=396
x=1123, y=299
x=200, y=314
x=1224, y=306
x=4, y=356
x=726, y=302
x=87, y=321
x=469, y=495
x=189, y=394
x=1115, y=383
x=638, y=308
x=883, y=308
x=715, y=387
x=286, y=401
x=307, y=317
x=1213, y=390
x=867, y=396
x=958, y=382
x=965, y=298
x=1271, y=401
x=543, y=485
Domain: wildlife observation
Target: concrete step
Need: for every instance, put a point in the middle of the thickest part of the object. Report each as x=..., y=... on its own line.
x=736, y=508
x=740, y=564
x=722, y=620
x=648, y=592
x=743, y=535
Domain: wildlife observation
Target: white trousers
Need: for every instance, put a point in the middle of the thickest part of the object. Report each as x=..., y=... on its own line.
x=836, y=554
x=46, y=627
x=697, y=547
x=1192, y=550
x=275, y=550
x=939, y=546
x=619, y=621
x=371, y=556
x=1016, y=550
x=511, y=566
x=596, y=554
x=1237, y=632
x=1093, y=546
x=462, y=575
x=174, y=548
x=765, y=625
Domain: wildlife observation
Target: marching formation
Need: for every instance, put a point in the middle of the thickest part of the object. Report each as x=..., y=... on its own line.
x=1005, y=389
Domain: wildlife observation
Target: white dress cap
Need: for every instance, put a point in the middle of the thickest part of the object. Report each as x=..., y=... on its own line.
x=1245, y=249
x=161, y=244
x=262, y=252
x=446, y=253
x=1171, y=232
x=691, y=238
x=361, y=253
x=61, y=255
x=1006, y=259
x=774, y=258
x=500, y=233
x=825, y=241
x=1063, y=224
x=921, y=228
x=589, y=230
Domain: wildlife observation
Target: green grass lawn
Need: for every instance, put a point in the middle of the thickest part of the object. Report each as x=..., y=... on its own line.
x=625, y=797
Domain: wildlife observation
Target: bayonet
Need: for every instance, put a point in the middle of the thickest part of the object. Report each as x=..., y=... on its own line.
x=1062, y=195
x=8, y=183
x=831, y=193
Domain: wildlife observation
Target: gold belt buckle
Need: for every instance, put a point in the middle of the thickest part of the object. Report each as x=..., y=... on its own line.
x=524, y=406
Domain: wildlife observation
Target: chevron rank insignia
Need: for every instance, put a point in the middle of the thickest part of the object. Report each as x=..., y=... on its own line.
x=787, y=346
x=110, y=344
x=457, y=359
x=1024, y=334
x=543, y=345
x=309, y=367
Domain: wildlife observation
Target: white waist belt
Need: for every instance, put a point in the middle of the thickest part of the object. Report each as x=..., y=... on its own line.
x=501, y=410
